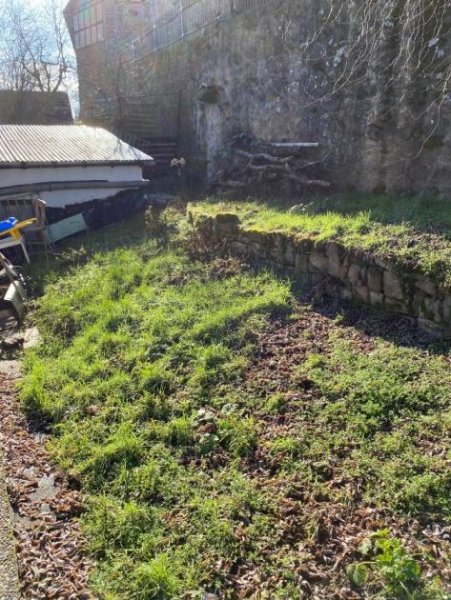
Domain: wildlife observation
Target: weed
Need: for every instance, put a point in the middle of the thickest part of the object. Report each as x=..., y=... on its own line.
x=238, y=435
x=154, y=580
x=276, y=404
x=389, y=571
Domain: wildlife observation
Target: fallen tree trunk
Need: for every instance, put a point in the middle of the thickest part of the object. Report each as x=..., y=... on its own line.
x=292, y=145
x=262, y=156
x=232, y=184
x=291, y=174
x=309, y=182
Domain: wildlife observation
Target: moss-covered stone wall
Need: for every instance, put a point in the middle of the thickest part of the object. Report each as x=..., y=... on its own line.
x=351, y=274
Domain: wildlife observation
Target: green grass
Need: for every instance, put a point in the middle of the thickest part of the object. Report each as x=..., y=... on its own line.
x=137, y=341
x=387, y=406
x=412, y=232
x=142, y=380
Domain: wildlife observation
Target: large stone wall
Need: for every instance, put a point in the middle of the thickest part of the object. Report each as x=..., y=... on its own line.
x=378, y=135
x=352, y=274
x=276, y=68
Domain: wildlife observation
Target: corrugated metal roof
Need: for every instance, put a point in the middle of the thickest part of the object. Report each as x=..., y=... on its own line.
x=41, y=145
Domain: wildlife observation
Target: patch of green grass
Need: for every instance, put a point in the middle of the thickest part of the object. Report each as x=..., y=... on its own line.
x=412, y=232
x=276, y=404
x=135, y=341
x=384, y=409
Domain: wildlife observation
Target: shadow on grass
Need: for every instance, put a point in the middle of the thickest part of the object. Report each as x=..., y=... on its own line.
x=395, y=328
x=398, y=329
x=79, y=249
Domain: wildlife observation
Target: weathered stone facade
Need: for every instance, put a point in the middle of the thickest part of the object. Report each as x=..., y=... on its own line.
x=352, y=274
x=273, y=82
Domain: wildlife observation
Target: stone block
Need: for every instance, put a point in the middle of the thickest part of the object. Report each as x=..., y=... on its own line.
x=243, y=237
x=270, y=264
x=257, y=237
x=338, y=264
x=433, y=328
x=426, y=285
x=393, y=286
x=301, y=262
x=257, y=251
x=375, y=279
x=338, y=270
x=418, y=302
x=361, y=293
x=334, y=251
x=354, y=274
x=432, y=310
x=239, y=248
x=345, y=293
x=396, y=305
x=227, y=223
x=277, y=248
x=289, y=252
x=376, y=299
x=317, y=278
x=447, y=309
x=318, y=262
x=383, y=263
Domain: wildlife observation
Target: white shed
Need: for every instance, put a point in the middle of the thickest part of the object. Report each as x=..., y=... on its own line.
x=67, y=164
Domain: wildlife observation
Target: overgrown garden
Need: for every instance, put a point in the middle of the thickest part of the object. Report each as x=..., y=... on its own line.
x=232, y=439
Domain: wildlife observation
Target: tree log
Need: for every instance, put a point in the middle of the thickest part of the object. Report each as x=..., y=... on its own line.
x=310, y=182
x=290, y=174
x=232, y=183
x=280, y=168
x=262, y=156
x=291, y=145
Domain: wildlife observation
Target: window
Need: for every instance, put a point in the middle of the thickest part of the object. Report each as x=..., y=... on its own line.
x=88, y=24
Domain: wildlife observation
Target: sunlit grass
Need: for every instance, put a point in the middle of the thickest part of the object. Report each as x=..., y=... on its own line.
x=411, y=232
x=141, y=381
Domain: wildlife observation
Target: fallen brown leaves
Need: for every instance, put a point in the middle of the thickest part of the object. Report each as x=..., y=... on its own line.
x=50, y=546
x=318, y=534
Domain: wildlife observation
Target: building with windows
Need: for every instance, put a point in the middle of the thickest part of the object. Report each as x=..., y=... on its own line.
x=99, y=30
x=87, y=24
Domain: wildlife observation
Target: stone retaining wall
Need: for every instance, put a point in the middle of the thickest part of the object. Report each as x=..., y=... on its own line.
x=354, y=275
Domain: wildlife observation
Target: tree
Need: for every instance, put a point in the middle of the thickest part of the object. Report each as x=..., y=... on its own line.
x=34, y=46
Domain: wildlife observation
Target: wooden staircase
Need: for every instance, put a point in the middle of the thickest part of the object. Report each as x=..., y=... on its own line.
x=161, y=149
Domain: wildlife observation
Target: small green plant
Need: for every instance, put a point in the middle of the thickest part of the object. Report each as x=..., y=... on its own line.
x=389, y=569
x=285, y=447
x=154, y=580
x=158, y=223
x=238, y=435
x=276, y=404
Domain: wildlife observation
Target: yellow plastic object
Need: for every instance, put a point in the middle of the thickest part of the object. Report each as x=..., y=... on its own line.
x=15, y=232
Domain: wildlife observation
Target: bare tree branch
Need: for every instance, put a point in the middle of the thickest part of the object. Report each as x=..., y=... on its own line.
x=34, y=46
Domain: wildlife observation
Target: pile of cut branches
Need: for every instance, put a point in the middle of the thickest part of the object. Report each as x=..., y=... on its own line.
x=251, y=166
